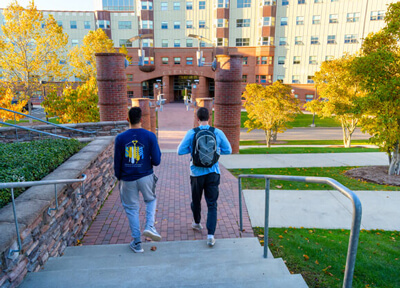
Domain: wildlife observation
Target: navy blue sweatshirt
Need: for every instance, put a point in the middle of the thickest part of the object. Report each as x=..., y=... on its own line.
x=136, y=151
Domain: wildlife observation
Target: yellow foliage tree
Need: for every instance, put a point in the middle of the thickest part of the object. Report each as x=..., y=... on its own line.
x=123, y=50
x=338, y=90
x=269, y=108
x=31, y=49
x=6, y=97
x=83, y=59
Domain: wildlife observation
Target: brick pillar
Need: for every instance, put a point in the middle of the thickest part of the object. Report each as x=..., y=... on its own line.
x=153, y=118
x=143, y=103
x=228, y=92
x=111, y=81
x=195, y=92
x=168, y=88
x=202, y=88
x=203, y=102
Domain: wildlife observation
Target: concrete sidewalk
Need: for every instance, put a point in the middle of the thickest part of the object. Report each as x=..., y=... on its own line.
x=326, y=209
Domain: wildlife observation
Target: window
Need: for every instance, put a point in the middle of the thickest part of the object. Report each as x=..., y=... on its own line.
x=263, y=79
x=164, y=25
x=298, y=40
x=269, y=2
x=147, y=24
x=284, y=21
x=164, y=6
x=301, y=1
x=280, y=78
x=314, y=40
x=350, y=38
x=242, y=41
x=268, y=21
x=282, y=41
x=296, y=60
x=177, y=60
x=329, y=58
x=203, y=44
x=164, y=43
x=331, y=39
x=312, y=60
x=285, y=2
x=73, y=25
x=267, y=41
x=317, y=1
x=125, y=24
x=300, y=20
x=245, y=60
x=129, y=77
x=310, y=79
x=148, y=60
x=103, y=24
x=189, y=5
x=86, y=24
x=189, y=60
x=244, y=78
x=353, y=17
x=221, y=23
x=59, y=23
x=334, y=0
x=281, y=60
x=177, y=5
x=164, y=60
x=125, y=42
x=264, y=60
x=202, y=5
x=223, y=3
x=202, y=24
x=377, y=15
x=243, y=3
x=177, y=43
x=333, y=18
x=189, y=42
x=130, y=94
x=316, y=19
x=295, y=79
x=242, y=23
x=222, y=42
x=147, y=42
x=74, y=42
x=309, y=97
x=147, y=5
x=177, y=25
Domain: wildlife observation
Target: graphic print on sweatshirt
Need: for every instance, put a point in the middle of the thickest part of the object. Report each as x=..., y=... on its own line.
x=134, y=151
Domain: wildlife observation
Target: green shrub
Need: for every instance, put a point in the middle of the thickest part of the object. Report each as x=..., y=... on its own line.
x=32, y=161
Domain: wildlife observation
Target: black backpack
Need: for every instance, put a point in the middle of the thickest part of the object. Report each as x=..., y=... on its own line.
x=204, y=148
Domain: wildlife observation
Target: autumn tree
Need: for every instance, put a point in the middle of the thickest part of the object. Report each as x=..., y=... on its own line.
x=6, y=97
x=379, y=69
x=269, y=108
x=123, y=50
x=31, y=50
x=338, y=90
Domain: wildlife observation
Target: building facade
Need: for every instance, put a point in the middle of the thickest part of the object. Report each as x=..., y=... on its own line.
x=283, y=40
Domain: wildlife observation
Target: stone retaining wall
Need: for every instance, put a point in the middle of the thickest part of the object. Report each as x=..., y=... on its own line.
x=45, y=236
x=109, y=128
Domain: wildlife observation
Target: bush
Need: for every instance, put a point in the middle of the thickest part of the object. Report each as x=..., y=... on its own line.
x=32, y=161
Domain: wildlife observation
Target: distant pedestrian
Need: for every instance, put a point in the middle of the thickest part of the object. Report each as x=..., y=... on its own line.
x=136, y=152
x=205, y=144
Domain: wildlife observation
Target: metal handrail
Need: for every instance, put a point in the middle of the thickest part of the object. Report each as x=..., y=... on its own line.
x=44, y=121
x=355, y=226
x=13, y=185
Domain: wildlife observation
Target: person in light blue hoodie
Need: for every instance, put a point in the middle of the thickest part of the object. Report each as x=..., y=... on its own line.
x=205, y=179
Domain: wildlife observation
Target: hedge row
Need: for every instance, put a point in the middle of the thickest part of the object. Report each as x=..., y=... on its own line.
x=31, y=161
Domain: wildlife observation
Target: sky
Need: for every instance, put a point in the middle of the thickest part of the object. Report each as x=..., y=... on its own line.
x=69, y=5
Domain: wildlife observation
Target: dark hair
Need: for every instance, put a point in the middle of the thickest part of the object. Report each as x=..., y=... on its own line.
x=135, y=114
x=203, y=114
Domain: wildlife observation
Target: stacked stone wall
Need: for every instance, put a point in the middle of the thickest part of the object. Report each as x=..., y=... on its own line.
x=45, y=236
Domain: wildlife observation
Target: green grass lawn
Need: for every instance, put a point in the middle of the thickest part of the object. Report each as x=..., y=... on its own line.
x=302, y=120
x=51, y=120
x=336, y=173
x=304, y=142
x=319, y=255
x=297, y=150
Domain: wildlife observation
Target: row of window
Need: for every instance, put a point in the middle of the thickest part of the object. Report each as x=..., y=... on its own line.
x=286, y=2
x=312, y=60
x=315, y=40
x=177, y=24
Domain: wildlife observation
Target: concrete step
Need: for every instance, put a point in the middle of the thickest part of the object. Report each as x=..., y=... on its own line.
x=231, y=263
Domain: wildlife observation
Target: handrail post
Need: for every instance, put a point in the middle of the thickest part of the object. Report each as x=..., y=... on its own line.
x=240, y=204
x=266, y=220
x=55, y=195
x=11, y=252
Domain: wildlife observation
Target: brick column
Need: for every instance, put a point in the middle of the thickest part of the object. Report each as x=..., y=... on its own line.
x=153, y=118
x=202, y=87
x=195, y=92
x=168, y=88
x=143, y=103
x=111, y=81
x=228, y=92
x=203, y=102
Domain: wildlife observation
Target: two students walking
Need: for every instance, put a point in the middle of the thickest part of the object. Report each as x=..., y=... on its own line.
x=137, y=151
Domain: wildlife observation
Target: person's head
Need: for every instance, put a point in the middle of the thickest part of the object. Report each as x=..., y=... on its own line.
x=203, y=114
x=135, y=114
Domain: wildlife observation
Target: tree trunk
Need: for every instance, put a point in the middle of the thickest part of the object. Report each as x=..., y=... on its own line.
x=394, y=164
x=268, y=138
x=348, y=131
x=274, y=135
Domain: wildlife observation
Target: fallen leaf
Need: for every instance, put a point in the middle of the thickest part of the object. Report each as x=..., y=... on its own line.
x=153, y=248
x=280, y=236
x=316, y=262
x=279, y=186
x=306, y=257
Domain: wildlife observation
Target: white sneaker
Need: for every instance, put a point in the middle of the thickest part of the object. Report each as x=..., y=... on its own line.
x=211, y=242
x=196, y=226
x=152, y=233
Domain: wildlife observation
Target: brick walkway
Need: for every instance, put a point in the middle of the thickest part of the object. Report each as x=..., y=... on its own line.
x=174, y=217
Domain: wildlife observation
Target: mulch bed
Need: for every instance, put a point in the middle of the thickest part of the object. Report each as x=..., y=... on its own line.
x=374, y=174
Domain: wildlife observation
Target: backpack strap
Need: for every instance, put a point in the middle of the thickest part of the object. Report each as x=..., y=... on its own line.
x=197, y=129
x=212, y=129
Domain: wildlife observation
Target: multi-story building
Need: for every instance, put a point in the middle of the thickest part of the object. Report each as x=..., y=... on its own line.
x=280, y=40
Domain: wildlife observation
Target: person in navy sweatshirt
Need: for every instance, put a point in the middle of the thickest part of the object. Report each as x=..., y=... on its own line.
x=136, y=151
